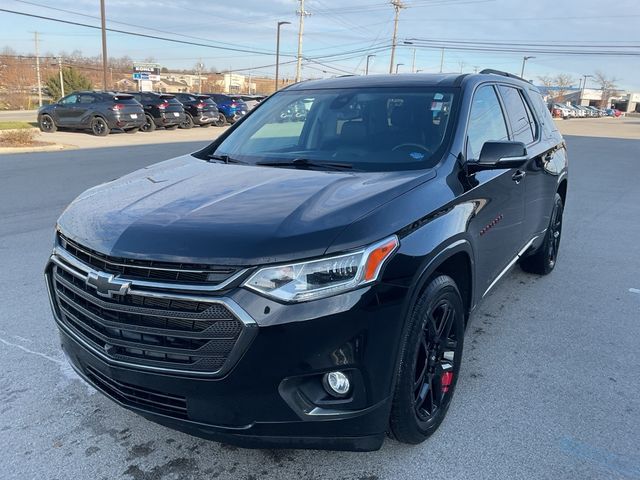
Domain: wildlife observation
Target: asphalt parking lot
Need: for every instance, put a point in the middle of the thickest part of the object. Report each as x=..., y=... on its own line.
x=549, y=386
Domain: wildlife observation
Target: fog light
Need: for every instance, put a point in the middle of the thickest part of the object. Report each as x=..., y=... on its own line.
x=337, y=384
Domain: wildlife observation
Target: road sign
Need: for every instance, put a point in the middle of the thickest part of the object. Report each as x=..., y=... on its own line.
x=141, y=76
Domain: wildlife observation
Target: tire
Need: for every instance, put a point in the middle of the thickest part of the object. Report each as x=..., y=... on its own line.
x=47, y=124
x=132, y=130
x=221, y=122
x=187, y=123
x=172, y=127
x=429, y=367
x=544, y=259
x=99, y=127
x=149, y=125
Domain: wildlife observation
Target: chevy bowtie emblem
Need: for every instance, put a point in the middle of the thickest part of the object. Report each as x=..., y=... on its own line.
x=107, y=285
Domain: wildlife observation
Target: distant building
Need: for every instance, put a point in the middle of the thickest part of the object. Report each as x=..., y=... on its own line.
x=170, y=86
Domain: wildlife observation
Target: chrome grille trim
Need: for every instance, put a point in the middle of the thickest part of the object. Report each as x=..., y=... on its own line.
x=71, y=265
x=82, y=270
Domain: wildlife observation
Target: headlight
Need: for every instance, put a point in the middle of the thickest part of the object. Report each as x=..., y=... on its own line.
x=298, y=282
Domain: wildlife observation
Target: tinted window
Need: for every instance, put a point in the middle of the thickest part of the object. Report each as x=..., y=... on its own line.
x=486, y=122
x=370, y=129
x=69, y=99
x=86, y=99
x=519, y=118
x=543, y=113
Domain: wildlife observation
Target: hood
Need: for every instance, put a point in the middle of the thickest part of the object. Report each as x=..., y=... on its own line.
x=192, y=211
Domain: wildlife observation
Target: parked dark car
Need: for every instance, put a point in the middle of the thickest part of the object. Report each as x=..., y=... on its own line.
x=308, y=284
x=161, y=110
x=199, y=110
x=99, y=112
x=232, y=107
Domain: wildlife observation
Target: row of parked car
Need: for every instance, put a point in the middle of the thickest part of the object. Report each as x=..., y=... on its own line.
x=562, y=110
x=101, y=112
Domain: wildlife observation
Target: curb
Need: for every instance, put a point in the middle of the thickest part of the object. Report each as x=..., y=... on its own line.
x=43, y=148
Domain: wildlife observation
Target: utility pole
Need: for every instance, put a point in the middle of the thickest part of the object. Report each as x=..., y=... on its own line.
x=61, y=76
x=303, y=13
x=366, y=69
x=524, y=61
x=104, y=45
x=462, y=64
x=397, y=5
x=441, y=59
x=584, y=84
x=413, y=63
x=278, y=52
x=37, y=40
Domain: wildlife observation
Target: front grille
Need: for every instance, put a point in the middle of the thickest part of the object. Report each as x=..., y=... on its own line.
x=179, y=333
x=149, y=270
x=136, y=396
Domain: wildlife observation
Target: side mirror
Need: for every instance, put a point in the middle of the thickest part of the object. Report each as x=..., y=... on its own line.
x=501, y=155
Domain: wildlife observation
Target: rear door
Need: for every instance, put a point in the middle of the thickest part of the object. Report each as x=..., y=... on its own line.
x=546, y=164
x=498, y=224
x=84, y=109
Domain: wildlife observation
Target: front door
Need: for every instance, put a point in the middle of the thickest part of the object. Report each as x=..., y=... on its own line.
x=65, y=110
x=499, y=194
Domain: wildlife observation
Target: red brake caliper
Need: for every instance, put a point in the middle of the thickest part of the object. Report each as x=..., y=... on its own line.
x=447, y=378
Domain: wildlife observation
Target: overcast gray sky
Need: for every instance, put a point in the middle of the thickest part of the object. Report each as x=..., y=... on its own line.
x=349, y=28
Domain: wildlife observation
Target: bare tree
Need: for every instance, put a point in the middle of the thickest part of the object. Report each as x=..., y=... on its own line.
x=548, y=83
x=607, y=86
x=563, y=83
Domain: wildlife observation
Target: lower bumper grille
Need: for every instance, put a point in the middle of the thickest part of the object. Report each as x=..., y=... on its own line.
x=160, y=331
x=136, y=396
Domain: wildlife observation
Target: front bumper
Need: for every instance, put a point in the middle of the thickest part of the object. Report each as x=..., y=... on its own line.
x=272, y=396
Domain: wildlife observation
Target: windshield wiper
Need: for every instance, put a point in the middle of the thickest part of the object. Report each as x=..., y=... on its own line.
x=224, y=159
x=305, y=162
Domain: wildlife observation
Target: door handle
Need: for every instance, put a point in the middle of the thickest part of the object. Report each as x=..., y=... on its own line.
x=518, y=176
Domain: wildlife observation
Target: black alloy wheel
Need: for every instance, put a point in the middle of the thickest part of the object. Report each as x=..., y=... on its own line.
x=221, y=121
x=47, y=124
x=99, y=127
x=430, y=363
x=187, y=123
x=544, y=259
x=149, y=125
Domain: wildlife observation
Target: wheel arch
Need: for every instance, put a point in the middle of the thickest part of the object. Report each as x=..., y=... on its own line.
x=562, y=190
x=455, y=260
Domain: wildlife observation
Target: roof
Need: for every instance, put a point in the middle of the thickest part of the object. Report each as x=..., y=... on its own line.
x=406, y=80
x=359, y=81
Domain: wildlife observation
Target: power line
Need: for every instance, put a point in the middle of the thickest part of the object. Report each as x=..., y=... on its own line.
x=135, y=34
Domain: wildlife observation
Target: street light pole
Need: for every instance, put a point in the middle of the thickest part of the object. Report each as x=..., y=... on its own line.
x=413, y=63
x=278, y=51
x=366, y=69
x=524, y=61
x=104, y=45
x=441, y=59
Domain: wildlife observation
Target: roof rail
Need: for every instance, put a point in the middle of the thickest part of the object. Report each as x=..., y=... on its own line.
x=504, y=74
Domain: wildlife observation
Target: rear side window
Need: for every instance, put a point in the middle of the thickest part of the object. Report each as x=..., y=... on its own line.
x=544, y=115
x=486, y=122
x=520, y=118
x=86, y=99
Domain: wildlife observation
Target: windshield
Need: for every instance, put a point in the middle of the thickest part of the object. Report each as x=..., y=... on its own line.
x=370, y=129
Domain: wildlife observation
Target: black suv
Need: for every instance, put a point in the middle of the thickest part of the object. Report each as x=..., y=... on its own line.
x=308, y=284
x=199, y=110
x=99, y=112
x=160, y=110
